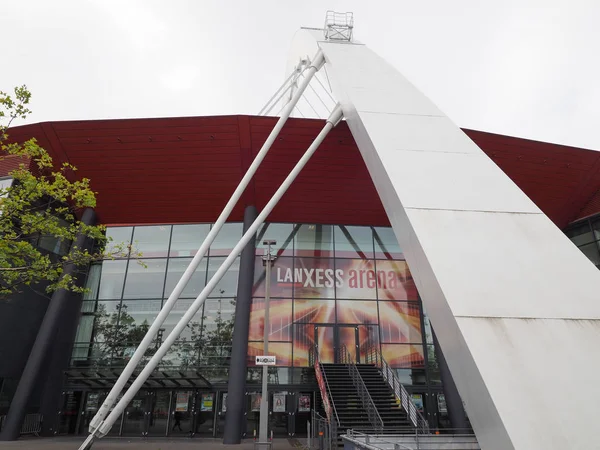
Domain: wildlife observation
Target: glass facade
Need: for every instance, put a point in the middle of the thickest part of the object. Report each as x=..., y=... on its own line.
x=586, y=236
x=331, y=286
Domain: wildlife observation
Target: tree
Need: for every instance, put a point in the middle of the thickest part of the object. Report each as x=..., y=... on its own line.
x=39, y=213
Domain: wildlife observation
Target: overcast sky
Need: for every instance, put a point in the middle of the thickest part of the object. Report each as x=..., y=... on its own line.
x=525, y=68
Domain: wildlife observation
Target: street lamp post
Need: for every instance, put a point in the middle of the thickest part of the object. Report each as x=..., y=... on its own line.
x=268, y=260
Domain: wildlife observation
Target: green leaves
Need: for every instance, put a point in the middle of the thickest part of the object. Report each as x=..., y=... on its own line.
x=40, y=211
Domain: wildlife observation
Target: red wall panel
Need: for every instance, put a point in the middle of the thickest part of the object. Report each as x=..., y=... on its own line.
x=184, y=169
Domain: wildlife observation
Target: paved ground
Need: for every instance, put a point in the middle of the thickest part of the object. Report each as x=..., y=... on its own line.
x=69, y=443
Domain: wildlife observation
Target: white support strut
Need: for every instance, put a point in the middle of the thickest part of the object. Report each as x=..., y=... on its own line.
x=106, y=424
x=314, y=66
x=513, y=302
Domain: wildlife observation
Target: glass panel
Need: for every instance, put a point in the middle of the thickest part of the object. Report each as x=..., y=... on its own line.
x=152, y=241
x=145, y=282
x=400, y=322
x=227, y=287
x=433, y=366
x=356, y=278
x=92, y=283
x=591, y=251
x=186, y=239
x=313, y=278
x=314, y=240
x=314, y=310
x=347, y=338
x=111, y=279
x=395, y=282
x=580, y=234
x=281, y=350
x=175, y=270
x=282, y=233
x=386, y=244
x=159, y=413
x=596, y=227
x=134, y=320
x=403, y=355
x=133, y=424
x=118, y=237
x=304, y=339
x=368, y=337
x=428, y=332
x=411, y=376
x=353, y=242
x=282, y=277
x=325, y=344
x=217, y=331
x=227, y=238
x=204, y=425
x=354, y=311
x=106, y=319
x=181, y=413
x=280, y=318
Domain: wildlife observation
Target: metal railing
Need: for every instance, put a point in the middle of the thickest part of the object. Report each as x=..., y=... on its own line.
x=319, y=433
x=32, y=424
x=344, y=357
x=329, y=406
x=361, y=441
x=374, y=356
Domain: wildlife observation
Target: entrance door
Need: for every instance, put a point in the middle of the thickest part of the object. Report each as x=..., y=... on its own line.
x=348, y=338
x=205, y=414
x=159, y=413
x=182, y=409
x=325, y=339
x=134, y=421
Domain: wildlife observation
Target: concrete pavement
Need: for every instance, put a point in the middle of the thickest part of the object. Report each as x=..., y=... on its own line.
x=73, y=443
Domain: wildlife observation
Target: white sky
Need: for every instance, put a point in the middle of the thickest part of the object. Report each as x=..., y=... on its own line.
x=527, y=68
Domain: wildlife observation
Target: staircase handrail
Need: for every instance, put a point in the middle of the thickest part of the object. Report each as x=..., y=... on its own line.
x=345, y=357
x=330, y=409
x=373, y=356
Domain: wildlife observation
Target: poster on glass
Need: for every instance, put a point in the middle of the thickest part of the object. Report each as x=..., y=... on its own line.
x=224, y=403
x=304, y=403
x=255, y=402
x=181, y=403
x=279, y=402
x=207, y=403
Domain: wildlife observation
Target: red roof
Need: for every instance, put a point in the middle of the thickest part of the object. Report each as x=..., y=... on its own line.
x=175, y=170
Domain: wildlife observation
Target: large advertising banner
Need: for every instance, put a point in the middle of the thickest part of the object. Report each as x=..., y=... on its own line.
x=326, y=278
x=314, y=284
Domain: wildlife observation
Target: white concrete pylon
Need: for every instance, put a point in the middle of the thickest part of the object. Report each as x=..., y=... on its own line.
x=515, y=305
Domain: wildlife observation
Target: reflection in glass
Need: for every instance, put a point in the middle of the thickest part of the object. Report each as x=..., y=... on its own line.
x=355, y=312
x=403, y=355
x=118, y=238
x=400, y=322
x=282, y=276
x=227, y=238
x=353, y=242
x=280, y=318
x=395, y=282
x=175, y=270
x=304, y=340
x=386, y=244
x=591, y=251
x=186, y=239
x=281, y=350
x=92, y=282
x=152, y=241
x=282, y=233
x=596, y=227
x=227, y=286
x=580, y=234
x=111, y=279
x=314, y=240
x=145, y=282
x=314, y=310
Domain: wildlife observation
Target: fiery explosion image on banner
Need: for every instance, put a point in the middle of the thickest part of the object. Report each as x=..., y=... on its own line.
x=327, y=303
